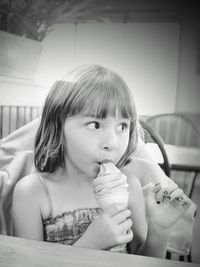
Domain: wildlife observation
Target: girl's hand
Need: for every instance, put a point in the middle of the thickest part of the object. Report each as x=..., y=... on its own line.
x=165, y=205
x=111, y=228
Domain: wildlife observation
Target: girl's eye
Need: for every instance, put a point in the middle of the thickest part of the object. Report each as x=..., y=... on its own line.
x=123, y=126
x=93, y=125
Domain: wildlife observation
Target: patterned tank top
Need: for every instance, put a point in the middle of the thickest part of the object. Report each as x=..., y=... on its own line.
x=68, y=227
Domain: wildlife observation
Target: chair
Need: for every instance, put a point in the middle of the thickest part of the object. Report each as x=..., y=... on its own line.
x=180, y=130
x=151, y=136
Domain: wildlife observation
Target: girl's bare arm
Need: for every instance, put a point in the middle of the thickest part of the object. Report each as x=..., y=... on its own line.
x=26, y=211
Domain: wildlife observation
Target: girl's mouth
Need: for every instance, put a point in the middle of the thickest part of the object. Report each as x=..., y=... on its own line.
x=106, y=161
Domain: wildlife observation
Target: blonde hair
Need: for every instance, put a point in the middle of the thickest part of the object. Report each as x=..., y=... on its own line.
x=88, y=90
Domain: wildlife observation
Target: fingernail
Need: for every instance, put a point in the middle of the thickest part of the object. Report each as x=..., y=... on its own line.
x=165, y=193
x=180, y=199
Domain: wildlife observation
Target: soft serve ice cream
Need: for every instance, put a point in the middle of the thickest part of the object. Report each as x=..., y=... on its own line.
x=110, y=189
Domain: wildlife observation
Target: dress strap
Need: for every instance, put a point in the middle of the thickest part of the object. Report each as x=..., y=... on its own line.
x=46, y=190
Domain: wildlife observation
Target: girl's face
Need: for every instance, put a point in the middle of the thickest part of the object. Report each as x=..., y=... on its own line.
x=90, y=140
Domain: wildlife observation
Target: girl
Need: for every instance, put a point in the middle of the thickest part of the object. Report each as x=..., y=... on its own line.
x=89, y=117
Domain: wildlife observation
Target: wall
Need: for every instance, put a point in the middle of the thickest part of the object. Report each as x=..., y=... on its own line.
x=188, y=84
x=158, y=61
x=18, y=63
x=145, y=54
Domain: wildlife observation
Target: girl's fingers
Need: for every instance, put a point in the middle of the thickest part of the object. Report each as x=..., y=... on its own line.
x=185, y=201
x=113, y=210
x=126, y=225
x=181, y=200
x=165, y=192
x=160, y=194
x=126, y=236
x=157, y=187
x=176, y=194
x=122, y=216
x=181, y=204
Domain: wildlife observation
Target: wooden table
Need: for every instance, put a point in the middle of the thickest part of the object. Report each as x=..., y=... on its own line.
x=17, y=252
x=180, y=158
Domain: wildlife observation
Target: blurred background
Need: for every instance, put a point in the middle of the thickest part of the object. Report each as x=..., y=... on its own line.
x=153, y=44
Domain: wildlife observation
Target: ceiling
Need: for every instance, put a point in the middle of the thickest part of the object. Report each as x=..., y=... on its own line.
x=128, y=10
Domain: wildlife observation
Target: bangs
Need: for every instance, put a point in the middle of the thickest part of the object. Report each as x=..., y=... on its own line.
x=102, y=98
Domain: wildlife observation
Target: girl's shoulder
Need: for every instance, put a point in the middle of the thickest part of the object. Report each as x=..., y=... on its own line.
x=28, y=187
x=31, y=191
x=28, y=182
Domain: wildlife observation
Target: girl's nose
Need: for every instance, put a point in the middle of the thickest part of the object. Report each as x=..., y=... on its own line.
x=110, y=141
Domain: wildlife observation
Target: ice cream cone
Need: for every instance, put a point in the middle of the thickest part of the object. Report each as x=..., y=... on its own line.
x=110, y=189
x=117, y=198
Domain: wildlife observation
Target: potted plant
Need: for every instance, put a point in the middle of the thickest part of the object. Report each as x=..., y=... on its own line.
x=23, y=26
x=35, y=18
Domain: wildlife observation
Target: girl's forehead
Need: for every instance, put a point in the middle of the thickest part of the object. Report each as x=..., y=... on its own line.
x=93, y=114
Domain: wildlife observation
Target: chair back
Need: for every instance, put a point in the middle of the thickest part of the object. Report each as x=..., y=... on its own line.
x=176, y=129
x=151, y=136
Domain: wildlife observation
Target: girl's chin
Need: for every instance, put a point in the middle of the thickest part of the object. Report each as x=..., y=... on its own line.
x=92, y=170
x=95, y=171
x=90, y=173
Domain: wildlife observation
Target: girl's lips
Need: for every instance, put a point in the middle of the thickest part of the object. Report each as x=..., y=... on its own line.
x=103, y=162
x=106, y=161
